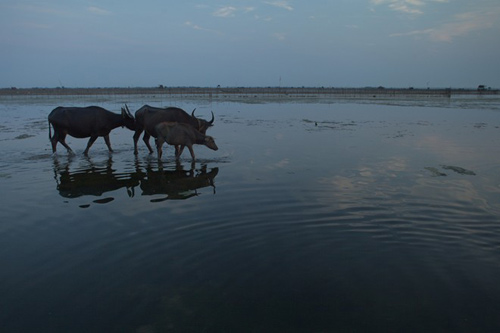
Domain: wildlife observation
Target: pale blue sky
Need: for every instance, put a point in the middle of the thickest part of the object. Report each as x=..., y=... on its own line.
x=339, y=43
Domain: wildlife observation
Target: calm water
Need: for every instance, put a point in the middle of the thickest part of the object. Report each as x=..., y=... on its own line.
x=311, y=217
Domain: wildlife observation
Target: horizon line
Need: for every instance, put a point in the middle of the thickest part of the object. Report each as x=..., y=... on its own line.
x=164, y=87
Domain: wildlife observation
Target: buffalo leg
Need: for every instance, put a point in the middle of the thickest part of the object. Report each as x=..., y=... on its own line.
x=190, y=147
x=53, y=141
x=145, y=138
x=89, y=144
x=62, y=139
x=137, y=134
x=63, y=142
x=108, y=143
x=159, y=144
x=178, y=151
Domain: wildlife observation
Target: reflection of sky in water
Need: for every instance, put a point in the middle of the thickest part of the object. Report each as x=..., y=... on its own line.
x=366, y=208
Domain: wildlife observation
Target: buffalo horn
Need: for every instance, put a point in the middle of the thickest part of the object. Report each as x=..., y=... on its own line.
x=213, y=118
x=192, y=113
x=128, y=112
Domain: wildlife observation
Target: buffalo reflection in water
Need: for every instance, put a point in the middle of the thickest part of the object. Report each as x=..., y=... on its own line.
x=95, y=180
x=178, y=183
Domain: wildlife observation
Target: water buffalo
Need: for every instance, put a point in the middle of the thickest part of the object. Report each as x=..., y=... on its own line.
x=179, y=134
x=91, y=121
x=147, y=117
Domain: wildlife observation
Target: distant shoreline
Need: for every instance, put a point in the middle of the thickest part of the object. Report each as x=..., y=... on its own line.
x=249, y=92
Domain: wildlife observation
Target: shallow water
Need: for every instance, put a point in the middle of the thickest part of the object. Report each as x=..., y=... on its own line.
x=311, y=217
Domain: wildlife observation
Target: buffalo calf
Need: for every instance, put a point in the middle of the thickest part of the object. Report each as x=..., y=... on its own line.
x=183, y=135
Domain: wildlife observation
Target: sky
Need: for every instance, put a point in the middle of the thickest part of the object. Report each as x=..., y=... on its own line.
x=250, y=43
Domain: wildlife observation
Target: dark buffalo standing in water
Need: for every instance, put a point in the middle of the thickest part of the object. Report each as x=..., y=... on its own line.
x=91, y=121
x=147, y=117
x=183, y=135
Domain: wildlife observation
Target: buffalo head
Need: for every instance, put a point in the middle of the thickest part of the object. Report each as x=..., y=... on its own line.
x=203, y=125
x=210, y=143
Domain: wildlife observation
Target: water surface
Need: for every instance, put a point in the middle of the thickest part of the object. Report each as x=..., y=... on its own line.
x=311, y=217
